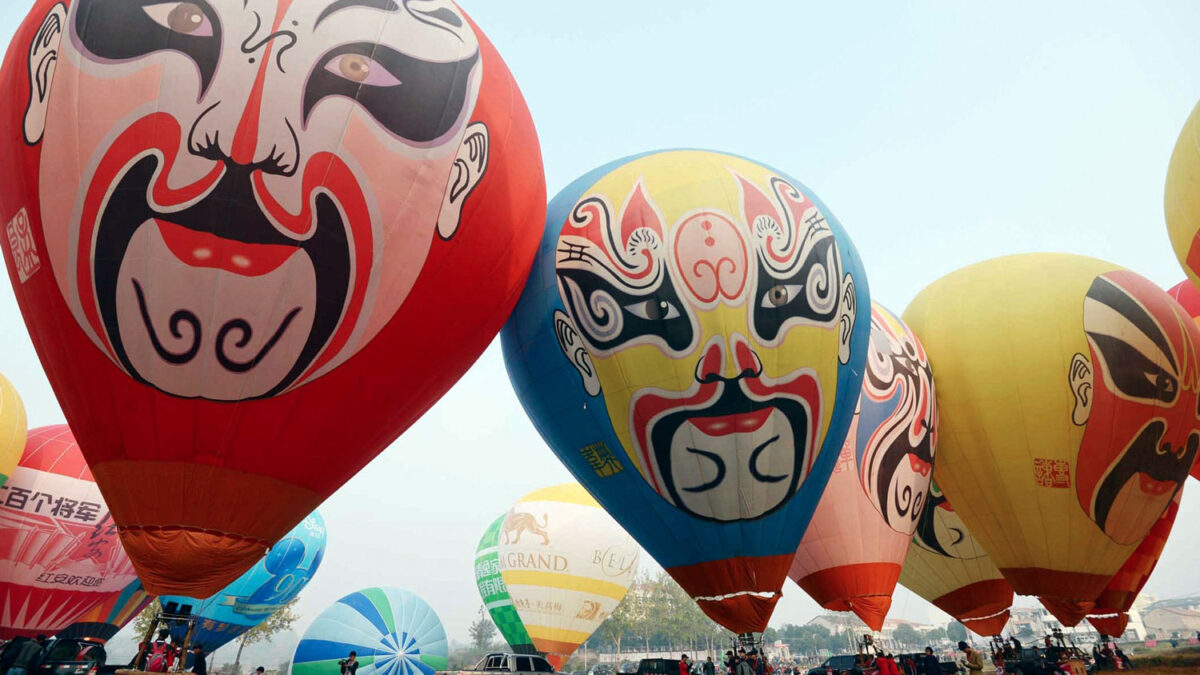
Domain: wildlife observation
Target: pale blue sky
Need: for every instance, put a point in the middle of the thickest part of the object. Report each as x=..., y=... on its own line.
x=940, y=133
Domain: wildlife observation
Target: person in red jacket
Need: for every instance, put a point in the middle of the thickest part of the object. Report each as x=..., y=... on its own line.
x=685, y=666
x=887, y=665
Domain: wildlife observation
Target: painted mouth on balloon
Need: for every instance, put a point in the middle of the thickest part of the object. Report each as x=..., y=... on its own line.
x=1141, y=482
x=736, y=459
x=211, y=299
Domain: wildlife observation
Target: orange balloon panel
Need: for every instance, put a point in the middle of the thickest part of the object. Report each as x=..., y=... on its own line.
x=1111, y=611
x=1189, y=298
x=253, y=243
x=1068, y=401
x=947, y=566
x=850, y=557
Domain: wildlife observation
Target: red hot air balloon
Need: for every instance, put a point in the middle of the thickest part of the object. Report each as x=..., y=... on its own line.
x=231, y=226
x=59, y=550
x=1187, y=296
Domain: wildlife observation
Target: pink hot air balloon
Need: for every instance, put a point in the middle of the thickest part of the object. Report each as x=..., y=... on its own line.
x=852, y=553
x=59, y=550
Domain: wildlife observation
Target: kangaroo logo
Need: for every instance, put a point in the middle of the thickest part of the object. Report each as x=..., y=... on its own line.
x=517, y=524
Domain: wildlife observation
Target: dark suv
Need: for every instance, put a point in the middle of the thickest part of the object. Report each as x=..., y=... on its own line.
x=842, y=663
x=62, y=656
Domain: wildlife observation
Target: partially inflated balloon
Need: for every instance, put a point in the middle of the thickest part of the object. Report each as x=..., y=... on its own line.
x=566, y=563
x=494, y=593
x=1110, y=616
x=1182, y=197
x=394, y=632
x=261, y=591
x=231, y=226
x=1067, y=391
x=1189, y=298
x=851, y=555
x=59, y=551
x=107, y=619
x=13, y=428
x=947, y=566
x=691, y=345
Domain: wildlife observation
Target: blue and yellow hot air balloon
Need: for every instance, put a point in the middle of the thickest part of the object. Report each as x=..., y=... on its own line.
x=392, y=632
x=691, y=344
x=260, y=592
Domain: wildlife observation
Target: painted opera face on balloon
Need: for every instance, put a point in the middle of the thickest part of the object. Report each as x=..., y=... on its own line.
x=252, y=187
x=898, y=407
x=697, y=321
x=1139, y=409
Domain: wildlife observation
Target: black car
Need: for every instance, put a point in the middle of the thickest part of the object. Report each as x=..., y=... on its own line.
x=903, y=660
x=61, y=656
x=835, y=665
x=658, y=667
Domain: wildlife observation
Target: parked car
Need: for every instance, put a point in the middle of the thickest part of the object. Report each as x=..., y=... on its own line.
x=517, y=664
x=60, y=656
x=842, y=663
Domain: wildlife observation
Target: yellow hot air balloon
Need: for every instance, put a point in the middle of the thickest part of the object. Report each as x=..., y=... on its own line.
x=1067, y=390
x=13, y=429
x=1182, y=198
x=566, y=563
x=947, y=566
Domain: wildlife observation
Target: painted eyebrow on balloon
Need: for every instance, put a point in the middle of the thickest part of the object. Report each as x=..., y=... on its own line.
x=385, y=5
x=1117, y=299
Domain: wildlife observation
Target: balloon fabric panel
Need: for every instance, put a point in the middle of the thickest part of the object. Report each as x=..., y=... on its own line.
x=661, y=278
x=1181, y=199
x=947, y=566
x=851, y=554
x=13, y=428
x=223, y=256
x=394, y=632
x=59, y=551
x=1051, y=428
x=1189, y=298
x=566, y=564
x=1111, y=613
x=494, y=593
x=107, y=619
x=261, y=591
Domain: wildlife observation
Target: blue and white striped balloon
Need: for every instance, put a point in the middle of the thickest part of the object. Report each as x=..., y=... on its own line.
x=393, y=632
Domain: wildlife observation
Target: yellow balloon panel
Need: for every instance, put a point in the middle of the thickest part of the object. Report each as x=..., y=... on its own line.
x=948, y=566
x=566, y=563
x=1182, y=199
x=1067, y=394
x=13, y=429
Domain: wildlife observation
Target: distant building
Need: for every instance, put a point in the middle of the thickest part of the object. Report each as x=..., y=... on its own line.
x=1177, y=617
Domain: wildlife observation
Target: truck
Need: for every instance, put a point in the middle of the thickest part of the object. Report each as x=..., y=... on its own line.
x=499, y=662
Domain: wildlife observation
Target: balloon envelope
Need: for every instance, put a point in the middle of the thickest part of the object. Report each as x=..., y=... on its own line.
x=566, y=563
x=850, y=557
x=691, y=345
x=59, y=551
x=107, y=619
x=494, y=593
x=261, y=591
x=947, y=566
x=13, y=429
x=394, y=632
x=224, y=256
x=1068, y=399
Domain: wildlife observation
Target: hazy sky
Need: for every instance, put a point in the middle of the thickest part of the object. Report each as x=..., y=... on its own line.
x=940, y=133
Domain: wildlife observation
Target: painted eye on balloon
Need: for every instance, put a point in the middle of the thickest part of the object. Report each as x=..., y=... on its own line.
x=653, y=310
x=120, y=31
x=779, y=295
x=427, y=107
x=362, y=69
x=182, y=17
